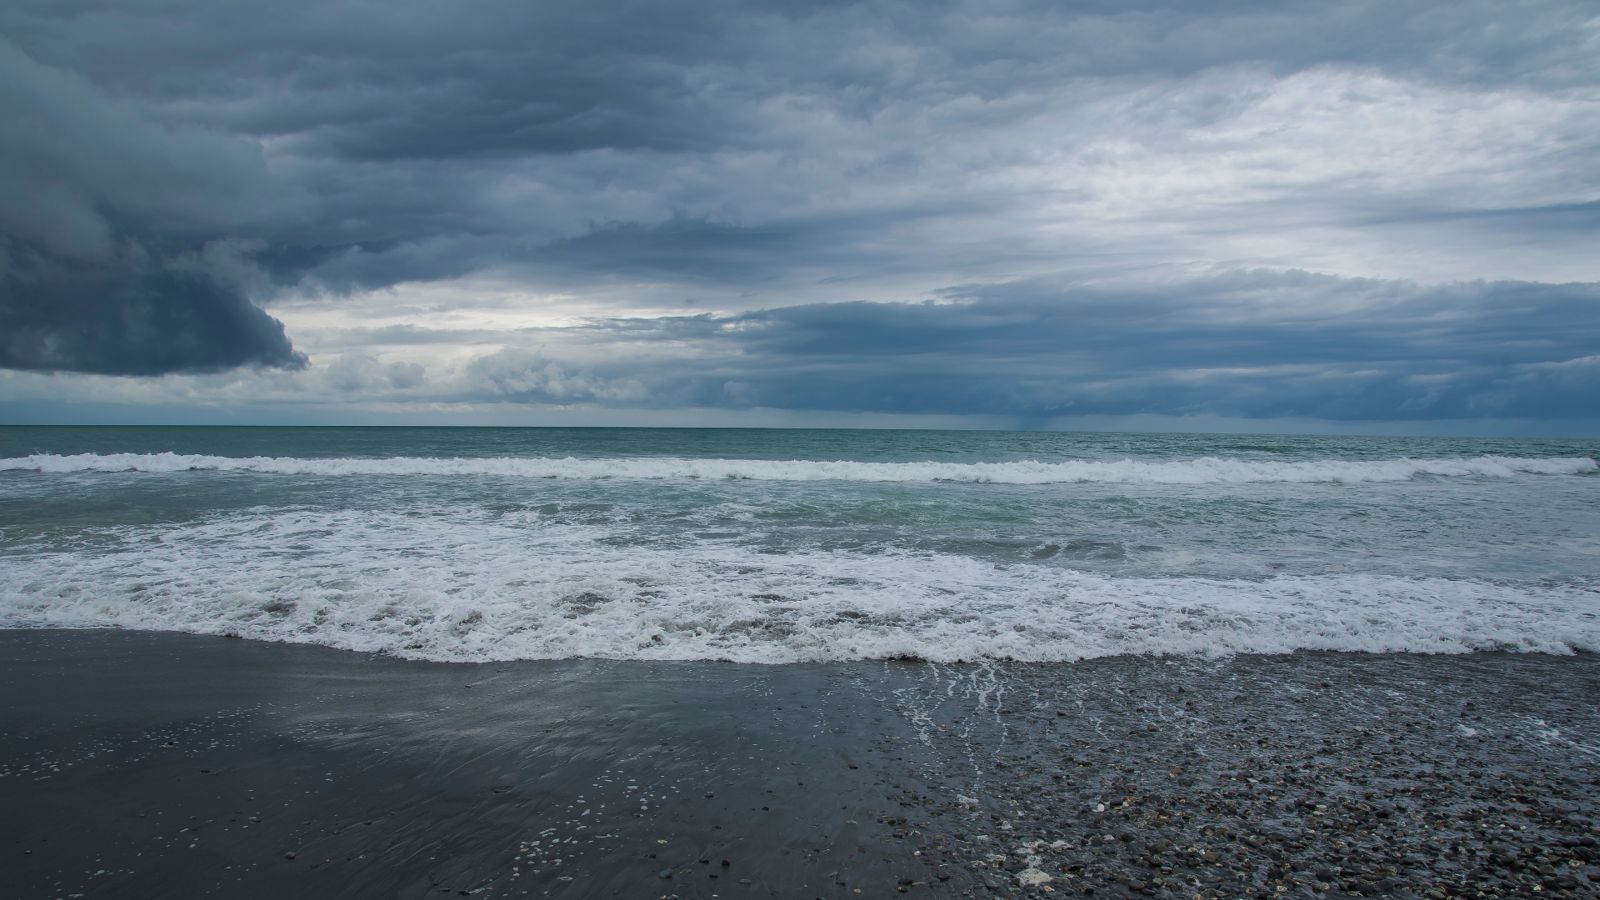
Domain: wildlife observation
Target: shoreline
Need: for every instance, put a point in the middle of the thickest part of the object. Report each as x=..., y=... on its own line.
x=157, y=764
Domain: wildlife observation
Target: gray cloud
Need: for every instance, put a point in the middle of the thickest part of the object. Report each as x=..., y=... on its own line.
x=170, y=171
x=531, y=377
x=129, y=317
x=1238, y=345
x=112, y=250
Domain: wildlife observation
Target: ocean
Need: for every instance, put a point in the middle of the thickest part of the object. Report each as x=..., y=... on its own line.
x=783, y=546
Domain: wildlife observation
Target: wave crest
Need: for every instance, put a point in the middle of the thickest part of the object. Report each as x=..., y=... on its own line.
x=1201, y=470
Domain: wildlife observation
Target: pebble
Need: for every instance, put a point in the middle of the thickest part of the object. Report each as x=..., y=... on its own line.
x=1334, y=774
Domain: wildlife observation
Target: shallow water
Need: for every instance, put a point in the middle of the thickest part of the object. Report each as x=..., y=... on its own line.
x=791, y=545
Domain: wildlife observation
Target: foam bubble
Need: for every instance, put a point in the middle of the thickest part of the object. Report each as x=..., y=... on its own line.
x=1202, y=470
x=466, y=586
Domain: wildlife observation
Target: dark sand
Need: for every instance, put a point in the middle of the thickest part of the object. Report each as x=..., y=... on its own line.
x=154, y=765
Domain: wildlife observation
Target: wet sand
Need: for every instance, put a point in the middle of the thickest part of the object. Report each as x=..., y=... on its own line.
x=160, y=765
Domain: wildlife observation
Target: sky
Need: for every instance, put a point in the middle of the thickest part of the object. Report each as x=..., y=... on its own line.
x=1365, y=217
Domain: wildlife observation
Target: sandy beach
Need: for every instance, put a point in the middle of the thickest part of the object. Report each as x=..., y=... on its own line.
x=162, y=765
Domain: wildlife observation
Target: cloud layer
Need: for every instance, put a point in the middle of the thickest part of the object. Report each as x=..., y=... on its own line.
x=1244, y=345
x=1361, y=210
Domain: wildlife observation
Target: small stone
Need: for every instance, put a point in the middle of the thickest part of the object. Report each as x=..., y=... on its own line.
x=1031, y=877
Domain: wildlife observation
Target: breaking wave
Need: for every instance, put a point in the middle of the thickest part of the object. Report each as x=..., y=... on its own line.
x=455, y=586
x=1203, y=470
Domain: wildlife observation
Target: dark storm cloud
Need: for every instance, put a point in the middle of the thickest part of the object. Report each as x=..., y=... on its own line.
x=695, y=250
x=128, y=318
x=165, y=166
x=1239, y=345
x=113, y=249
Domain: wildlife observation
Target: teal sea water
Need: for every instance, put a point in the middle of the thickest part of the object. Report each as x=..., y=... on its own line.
x=471, y=544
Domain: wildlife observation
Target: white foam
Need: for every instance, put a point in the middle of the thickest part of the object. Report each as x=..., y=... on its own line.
x=469, y=586
x=1202, y=470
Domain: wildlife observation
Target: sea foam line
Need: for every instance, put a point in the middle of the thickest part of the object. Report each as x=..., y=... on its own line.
x=1202, y=470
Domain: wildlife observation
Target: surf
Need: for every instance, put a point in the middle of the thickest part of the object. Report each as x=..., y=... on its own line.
x=1196, y=471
